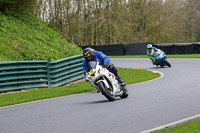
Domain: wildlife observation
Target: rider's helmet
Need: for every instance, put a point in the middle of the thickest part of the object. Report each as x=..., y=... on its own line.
x=149, y=46
x=88, y=54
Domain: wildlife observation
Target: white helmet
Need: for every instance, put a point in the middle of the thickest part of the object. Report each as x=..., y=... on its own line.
x=149, y=46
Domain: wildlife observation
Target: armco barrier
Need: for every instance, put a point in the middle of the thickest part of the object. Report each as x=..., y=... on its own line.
x=17, y=75
x=65, y=70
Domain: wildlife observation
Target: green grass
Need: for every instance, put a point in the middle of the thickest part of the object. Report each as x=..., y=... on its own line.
x=25, y=37
x=130, y=76
x=168, y=56
x=184, y=56
x=192, y=126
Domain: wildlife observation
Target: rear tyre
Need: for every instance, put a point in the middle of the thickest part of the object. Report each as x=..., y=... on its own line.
x=125, y=93
x=106, y=91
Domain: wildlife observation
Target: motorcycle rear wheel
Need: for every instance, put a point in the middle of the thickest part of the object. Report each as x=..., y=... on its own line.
x=106, y=92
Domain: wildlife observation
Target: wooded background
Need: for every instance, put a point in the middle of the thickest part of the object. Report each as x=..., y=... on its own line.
x=100, y=22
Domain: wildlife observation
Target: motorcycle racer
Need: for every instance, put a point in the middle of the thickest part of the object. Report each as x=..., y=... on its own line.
x=92, y=55
x=151, y=53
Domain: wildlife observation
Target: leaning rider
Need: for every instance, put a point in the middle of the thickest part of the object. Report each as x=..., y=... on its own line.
x=92, y=55
x=151, y=53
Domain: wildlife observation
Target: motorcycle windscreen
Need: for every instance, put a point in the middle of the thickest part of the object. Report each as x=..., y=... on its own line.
x=91, y=68
x=159, y=54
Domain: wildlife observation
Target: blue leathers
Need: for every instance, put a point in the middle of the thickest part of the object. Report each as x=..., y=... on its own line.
x=98, y=56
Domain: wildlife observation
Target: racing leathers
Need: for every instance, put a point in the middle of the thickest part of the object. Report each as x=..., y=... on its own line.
x=105, y=62
x=151, y=53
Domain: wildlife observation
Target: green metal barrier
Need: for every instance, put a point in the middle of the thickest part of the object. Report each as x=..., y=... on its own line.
x=65, y=70
x=17, y=75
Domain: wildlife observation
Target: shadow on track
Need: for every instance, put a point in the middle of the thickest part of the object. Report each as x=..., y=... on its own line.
x=103, y=101
x=157, y=68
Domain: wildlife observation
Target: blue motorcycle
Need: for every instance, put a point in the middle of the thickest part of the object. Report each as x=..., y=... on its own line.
x=161, y=59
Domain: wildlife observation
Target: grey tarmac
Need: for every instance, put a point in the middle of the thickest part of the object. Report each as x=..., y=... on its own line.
x=151, y=104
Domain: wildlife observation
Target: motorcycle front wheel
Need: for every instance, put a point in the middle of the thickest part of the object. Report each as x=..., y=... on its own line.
x=167, y=63
x=125, y=93
x=106, y=92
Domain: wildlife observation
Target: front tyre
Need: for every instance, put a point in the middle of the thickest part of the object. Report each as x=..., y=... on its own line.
x=106, y=92
x=125, y=93
x=167, y=63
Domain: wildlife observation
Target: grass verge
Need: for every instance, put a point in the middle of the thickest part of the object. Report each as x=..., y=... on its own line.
x=26, y=37
x=168, y=56
x=192, y=126
x=130, y=76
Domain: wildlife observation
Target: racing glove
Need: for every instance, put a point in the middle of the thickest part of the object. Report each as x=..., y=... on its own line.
x=86, y=78
x=105, y=65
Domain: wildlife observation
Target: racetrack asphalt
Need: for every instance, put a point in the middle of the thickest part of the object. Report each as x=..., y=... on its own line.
x=150, y=104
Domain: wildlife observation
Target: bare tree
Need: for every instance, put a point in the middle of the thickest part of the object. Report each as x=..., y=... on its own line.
x=99, y=22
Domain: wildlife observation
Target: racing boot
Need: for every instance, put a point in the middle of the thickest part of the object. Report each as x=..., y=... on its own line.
x=156, y=64
x=120, y=80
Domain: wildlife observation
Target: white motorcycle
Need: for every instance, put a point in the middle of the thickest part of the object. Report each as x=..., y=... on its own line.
x=105, y=82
